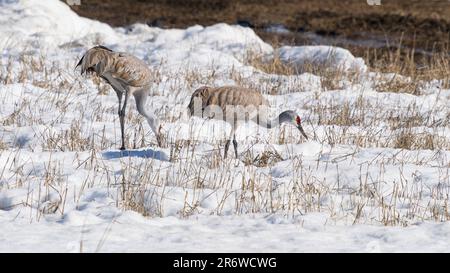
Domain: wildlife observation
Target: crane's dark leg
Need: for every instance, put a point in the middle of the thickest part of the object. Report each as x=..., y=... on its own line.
x=122, y=119
x=122, y=129
x=227, y=145
x=235, y=146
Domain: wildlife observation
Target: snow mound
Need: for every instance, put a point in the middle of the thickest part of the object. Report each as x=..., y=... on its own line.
x=215, y=46
x=222, y=37
x=328, y=56
x=47, y=23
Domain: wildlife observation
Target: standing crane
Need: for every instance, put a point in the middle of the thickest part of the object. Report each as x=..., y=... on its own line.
x=236, y=104
x=127, y=75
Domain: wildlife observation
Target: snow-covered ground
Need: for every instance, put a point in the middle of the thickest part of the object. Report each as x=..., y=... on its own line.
x=65, y=187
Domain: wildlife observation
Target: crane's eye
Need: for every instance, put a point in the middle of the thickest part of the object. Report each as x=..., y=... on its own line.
x=298, y=120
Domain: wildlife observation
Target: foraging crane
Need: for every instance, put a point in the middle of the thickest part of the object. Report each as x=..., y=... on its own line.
x=239, y=102
x=127, y=75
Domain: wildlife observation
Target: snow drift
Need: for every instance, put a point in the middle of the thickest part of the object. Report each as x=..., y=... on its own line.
x=327, y=57
x=36, y=23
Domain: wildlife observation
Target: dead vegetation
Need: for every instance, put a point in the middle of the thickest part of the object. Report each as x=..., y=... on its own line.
x=410, y=72
x=264, y=159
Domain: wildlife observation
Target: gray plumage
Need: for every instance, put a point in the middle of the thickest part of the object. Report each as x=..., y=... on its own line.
x=237, y=104
x=127, y=75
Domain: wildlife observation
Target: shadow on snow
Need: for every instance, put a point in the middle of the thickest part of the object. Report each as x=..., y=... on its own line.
x=149, y=153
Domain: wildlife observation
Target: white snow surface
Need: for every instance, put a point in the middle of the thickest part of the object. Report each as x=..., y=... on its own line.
x=33, y=23
x=348, y=188
x=328, y=56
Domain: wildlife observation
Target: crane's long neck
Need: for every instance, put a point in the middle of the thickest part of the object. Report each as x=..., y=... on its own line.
x=285, y=117
x=153, y=121
x=266, y=123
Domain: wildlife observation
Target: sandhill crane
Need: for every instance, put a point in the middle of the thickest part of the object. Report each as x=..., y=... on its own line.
x=236, y=104
x=127, y=75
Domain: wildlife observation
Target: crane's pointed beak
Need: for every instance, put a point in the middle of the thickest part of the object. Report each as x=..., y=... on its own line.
x=300, y=128
x=79, y=63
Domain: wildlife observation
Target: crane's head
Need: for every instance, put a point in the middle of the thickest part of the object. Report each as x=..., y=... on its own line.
x=292, y=118
x=198, y=100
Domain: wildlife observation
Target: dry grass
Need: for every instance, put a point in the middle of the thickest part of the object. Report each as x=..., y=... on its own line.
x=407, y=75
x=3, y=146
x=71, y=139
x=406, y=139
x=435, y=66
x=270, y=66
x=264, y=159
x=305, y=193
